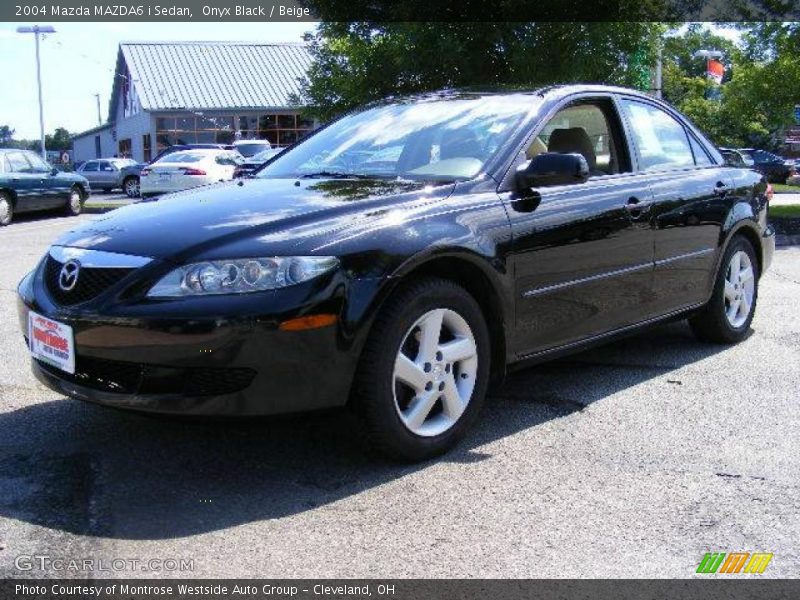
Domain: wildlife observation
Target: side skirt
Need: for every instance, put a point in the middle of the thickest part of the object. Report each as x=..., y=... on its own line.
x=541, y=356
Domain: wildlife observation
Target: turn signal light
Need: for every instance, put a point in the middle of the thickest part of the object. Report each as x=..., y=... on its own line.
x=770, y=192
x=144, y=173
x=307, y=322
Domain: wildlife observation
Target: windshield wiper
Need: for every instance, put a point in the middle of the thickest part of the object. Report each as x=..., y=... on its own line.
x=336, y=175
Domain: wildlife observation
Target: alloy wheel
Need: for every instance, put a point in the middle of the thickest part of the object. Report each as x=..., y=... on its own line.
x=435, y=372
x=132, y=188
x=75, y=202
x=5, y=210
x=739, y=289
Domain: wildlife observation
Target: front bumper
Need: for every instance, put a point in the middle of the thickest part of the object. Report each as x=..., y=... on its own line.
x=767, y=247
x=167, y=358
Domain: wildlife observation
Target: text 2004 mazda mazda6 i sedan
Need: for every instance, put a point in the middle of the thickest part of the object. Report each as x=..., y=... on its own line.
x=400, y=259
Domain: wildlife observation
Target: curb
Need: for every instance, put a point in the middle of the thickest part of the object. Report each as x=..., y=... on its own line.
x=786, y=240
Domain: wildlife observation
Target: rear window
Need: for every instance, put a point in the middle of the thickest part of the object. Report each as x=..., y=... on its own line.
x=251, y=149
x=183, y=157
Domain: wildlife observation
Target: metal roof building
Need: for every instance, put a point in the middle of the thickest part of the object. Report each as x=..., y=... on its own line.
x=167, y=93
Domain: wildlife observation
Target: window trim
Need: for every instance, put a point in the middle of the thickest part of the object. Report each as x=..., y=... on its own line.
x=687, y=128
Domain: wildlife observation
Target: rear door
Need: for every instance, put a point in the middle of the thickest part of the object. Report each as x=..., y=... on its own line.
x=691, y=201
x=582, y=253
x=107, y=173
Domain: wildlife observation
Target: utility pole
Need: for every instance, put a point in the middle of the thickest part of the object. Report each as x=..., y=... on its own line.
x=99, y=118
x=36, y=30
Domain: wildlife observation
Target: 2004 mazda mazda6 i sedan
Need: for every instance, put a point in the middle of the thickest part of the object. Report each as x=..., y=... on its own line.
x=400, y=259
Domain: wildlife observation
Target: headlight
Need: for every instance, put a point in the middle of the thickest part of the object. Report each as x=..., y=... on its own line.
x=241, y=275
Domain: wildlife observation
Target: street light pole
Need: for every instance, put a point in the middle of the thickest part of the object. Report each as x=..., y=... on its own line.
x=36, y=30
x=99, y=118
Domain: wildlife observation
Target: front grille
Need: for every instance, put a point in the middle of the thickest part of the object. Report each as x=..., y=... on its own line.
x=98, y=374
x=91, y=282
x=213, y=382
x=137, y=378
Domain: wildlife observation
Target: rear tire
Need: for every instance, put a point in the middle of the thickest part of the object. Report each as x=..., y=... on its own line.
x=726, y=318
x=424, y=371
x=131, y=187
x=6, y=209
x=75, y=202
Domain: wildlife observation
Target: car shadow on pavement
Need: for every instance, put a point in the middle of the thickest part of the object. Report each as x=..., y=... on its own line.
x=96, y=471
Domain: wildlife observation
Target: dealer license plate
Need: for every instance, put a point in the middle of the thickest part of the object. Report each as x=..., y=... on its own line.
x=51, y=342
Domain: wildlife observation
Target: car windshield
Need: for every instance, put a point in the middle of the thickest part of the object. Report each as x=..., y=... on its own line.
x=422, y=140
x=248, y=150
x=183, y=157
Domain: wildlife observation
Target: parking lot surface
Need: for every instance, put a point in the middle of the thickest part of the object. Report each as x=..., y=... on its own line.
x=631, y=460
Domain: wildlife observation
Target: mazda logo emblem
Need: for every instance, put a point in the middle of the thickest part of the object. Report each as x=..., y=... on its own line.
x=68, y=277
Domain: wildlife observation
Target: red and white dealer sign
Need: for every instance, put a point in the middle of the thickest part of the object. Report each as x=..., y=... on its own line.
x=51, y=342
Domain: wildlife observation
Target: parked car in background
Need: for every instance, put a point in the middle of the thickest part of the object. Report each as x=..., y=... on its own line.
x=28, y=183
x=252, y=164
x=179, y=147
x=187, y=169
x=248, y=148
x=132, y=173
x=105, y=173
x=736, y=158
x=402, y=268
x=774, y=168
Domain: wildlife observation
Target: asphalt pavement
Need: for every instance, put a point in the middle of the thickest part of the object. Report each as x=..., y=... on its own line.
x=631, y=460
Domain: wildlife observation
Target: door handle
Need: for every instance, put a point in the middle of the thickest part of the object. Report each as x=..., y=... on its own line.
x=721, y=189
x=635, y=207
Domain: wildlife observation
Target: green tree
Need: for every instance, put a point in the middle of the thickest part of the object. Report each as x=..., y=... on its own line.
x=6, y=136
x=356, y=63
x=60, y=140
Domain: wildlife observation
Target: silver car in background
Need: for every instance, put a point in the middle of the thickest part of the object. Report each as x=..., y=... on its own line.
x=106, y=173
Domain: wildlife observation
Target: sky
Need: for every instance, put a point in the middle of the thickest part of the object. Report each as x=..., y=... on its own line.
x=78, y=62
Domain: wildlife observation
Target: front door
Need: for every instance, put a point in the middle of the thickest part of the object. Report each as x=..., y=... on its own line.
x=26, y=184
x=582, y=253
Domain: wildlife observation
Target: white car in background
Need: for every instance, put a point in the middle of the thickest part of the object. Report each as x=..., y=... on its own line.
x=188, y=169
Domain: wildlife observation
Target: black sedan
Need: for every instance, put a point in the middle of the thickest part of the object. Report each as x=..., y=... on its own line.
x=772, y=166
x=28, y=184
x=402, y=259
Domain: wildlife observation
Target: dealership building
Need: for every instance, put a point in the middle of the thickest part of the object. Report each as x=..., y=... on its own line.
x=168, y=93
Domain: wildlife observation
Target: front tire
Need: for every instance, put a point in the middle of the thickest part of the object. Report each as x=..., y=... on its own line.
x=424, y=371
x=726, y=318
x=75, y=202
x=6, y=209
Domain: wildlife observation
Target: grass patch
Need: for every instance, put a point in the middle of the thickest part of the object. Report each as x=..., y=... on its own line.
x=786, y=211
x=782, y=188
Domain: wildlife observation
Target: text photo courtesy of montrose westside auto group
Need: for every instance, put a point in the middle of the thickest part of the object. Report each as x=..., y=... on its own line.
x=379, y=300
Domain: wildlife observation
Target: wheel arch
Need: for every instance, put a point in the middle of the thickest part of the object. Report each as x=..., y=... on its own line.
x=478, y=278
x=12, y=194
x=749, y=230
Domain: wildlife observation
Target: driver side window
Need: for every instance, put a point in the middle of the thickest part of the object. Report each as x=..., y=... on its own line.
x=590, y=128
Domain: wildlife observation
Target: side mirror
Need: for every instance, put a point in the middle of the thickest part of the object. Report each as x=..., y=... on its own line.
x=553, y=168
x=54, y=171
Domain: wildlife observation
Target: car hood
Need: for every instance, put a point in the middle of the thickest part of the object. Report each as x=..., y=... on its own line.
x=187, y=223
